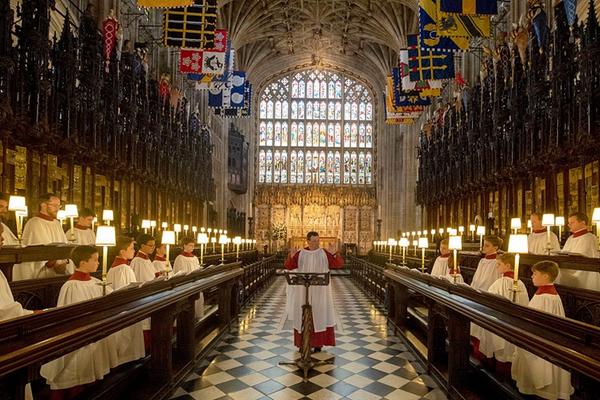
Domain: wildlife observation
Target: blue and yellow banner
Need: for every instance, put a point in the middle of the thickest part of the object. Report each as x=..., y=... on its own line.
x=428, y=30
x=470, y=7
x=456, y=25
x=425, y=65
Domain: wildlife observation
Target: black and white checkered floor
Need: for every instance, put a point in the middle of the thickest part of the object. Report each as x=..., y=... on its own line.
x=369, y=362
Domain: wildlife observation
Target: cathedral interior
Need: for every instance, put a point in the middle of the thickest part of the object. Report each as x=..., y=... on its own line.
x=164, y=164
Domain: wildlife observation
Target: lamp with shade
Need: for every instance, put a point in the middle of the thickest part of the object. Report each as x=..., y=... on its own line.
x=529, y=226
x=108, y=216
x=404, y=245
x=237, y=241
x=71, y=212
x=213, y=240
x=203, y=240
x=560, y=222
x=461, y=230
x=152, y=226
x=146, y=225
x=515, y=224
x=105, y=237
x=455, y=244
x=164, y=226
x=18, y=204
x=168, y=238
x=432, y=234
x=441, y=231
x=60, y=215
x=186, y=228
x=415, y=243
x=391, y=243
x=596, y=219
x=517, y=244
x=177, y=230
x=223, y=241
x=548, y=222
x=423, y=244
x=194, y=229
x=472, y=230
x=480, y=233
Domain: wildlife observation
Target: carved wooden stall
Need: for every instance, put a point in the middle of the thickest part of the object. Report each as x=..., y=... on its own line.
x=524, y=139
x=96, y=130
x=28, y=342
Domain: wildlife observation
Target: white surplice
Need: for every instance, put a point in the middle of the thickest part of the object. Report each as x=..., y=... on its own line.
x=485, y=275
x=130, y=341
x=440, y=266
x=538, y=243
x=534, y=375
x=489, y=343
x=9, y=237
x=587, y=246
x=9, y=308
x=83, y=236
x=40, y=231
x=91, y=362
x=187, y=263
x=143, y=268
x=320, y=297
x=160, y=264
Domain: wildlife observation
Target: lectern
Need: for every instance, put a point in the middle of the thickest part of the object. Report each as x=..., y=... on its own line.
x=307, y=279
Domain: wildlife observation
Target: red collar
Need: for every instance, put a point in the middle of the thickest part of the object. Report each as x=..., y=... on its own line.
x=119, y=261
x=445, y=256
x=546, y=289
x=580, y=232
x=142, y=255
x=491, y=256
x=540, y=230
x=509, y=274
x=83, y=228
x=186, y=254
x=45, y=217
x=80, y=276
x=160, y=258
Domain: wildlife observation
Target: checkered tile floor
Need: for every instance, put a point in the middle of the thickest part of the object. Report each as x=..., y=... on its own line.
x=368, y=361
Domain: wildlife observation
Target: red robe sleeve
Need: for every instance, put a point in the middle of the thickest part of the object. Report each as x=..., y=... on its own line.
x=292, y=261
x=335, y=260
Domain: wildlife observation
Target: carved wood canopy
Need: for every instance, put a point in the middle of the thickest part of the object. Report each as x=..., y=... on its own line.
x=320, y=195
x=362, y=36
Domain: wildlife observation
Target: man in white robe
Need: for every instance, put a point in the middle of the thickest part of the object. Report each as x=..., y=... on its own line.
x=313, y=259
x=43, y=229
x=130, y=341
x=533, y=374
x=187, y=262
x=82, y=231
x=10, y=239
x=538, y=238
x=486, y=272
x=141, y=264
x=93, y=361
x=581, y=242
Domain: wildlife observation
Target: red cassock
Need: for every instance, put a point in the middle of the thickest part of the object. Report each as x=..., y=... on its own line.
x=321, y=299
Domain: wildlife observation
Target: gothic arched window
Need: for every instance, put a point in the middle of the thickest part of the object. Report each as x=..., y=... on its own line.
x=311, y=126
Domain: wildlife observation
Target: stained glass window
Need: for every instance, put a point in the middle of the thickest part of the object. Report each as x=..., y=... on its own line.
x=311, y=126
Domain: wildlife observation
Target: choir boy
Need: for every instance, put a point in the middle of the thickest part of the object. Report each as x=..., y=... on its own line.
x=141, y=264
x=538, y=238
x=534, y=375
x=82, y=231
x=486, y=272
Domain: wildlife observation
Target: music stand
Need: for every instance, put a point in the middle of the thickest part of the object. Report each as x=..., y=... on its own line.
x=307, y=279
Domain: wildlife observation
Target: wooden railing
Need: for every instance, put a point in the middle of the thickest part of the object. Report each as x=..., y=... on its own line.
x=37, y=294
x=571, y=344
x=28, y=342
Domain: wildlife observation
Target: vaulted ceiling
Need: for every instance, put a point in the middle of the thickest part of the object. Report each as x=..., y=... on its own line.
x=359, y=36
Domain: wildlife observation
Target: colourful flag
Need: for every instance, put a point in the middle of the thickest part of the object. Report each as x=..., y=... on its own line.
x=192, y=27
x=228, y=93
x=164, y=3
x=425, y=88
x=430, y=37
x=425, y=65
x=470, y=7
x=457, y=25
